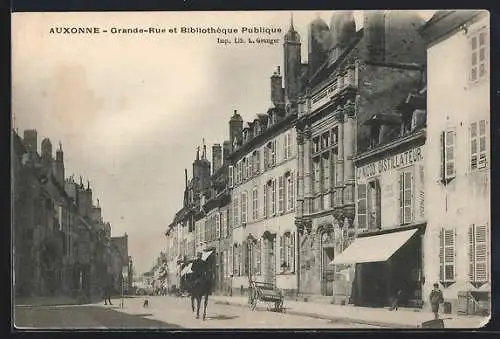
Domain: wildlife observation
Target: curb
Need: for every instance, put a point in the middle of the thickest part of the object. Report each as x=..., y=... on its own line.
x=332, y=318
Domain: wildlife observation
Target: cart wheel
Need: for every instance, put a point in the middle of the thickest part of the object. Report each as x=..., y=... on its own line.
x=278, y=305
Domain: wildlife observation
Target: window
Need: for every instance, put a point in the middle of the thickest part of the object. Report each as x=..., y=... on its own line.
x=325, y=159
x=316, y=145
x=288, y=146
x=236, y=215
x=317, y=174
x=291, y=192
x=405, y=197
x=271, y=149
x=281, y=194
x=479, y=55
x=373, y=204
x=287, y=252
x=448, y=154
x=244, y=205
x=478, y=254
x=325, y=141
x=250, y=161
x=273, y=197
x=447, y=255
x=264, y=201
x=256, y=157
x=223, y=222
x=255, y=204
x=230, y=176
x=217, y=226
x=361, y=208
x=267, y=152
x=478, y=159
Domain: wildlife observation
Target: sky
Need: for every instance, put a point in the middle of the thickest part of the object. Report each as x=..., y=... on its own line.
x=130, y=110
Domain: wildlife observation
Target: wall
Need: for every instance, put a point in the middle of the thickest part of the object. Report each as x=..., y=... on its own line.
x=381, y=89
x=454, y=103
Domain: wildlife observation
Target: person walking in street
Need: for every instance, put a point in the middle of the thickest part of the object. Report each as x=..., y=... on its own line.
x=107, y=290
x=436, y=298
x=396, y=300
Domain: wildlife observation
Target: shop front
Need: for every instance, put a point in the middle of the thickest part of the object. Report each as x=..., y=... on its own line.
x=386, y=262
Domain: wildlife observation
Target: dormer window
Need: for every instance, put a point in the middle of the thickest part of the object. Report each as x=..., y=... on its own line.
x=413, y=113
x=383, y=127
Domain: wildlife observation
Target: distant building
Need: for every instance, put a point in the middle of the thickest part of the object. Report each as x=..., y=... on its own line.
x=457, y=240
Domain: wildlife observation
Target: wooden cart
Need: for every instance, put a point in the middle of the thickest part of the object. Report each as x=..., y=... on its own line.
x=266, y=292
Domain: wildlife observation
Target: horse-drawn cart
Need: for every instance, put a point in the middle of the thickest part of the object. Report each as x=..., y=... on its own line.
x=266, y=292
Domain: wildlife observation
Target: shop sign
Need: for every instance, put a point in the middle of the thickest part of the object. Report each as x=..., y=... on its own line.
x=392, y=162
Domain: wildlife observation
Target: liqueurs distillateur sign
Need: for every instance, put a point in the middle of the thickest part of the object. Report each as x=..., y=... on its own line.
x=391, y=162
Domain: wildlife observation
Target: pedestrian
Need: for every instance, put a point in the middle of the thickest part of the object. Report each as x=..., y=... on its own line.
x=396, y=300
x=436, y=298
x=108, y=285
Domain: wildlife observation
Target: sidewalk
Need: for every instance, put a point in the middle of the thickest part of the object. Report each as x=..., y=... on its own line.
x=44, y=301
x=402, y=318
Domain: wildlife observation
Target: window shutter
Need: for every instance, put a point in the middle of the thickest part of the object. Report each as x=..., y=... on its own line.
x=361, y=206
x=474, y=146
x=401, y=197
x=266, y=157
x=442, y=150
x=257, y=162
x=259, y=257
x=481, y=254
x=217, y=226
x=408, y=197
x=231, y=260
x=378, y=204
x=482, y=144
x=282, y=251
x=230, y=174
x=264, y=201
x=244, y=206
x=449, y=254
x=450, y=154
x=273, y=197
x=281, y=194
x=291, y=191
x=472, y=254
x=292, y=252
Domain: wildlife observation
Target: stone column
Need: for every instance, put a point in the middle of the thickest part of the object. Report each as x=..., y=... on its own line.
x=307, y=171
x=349, y=141
x=300, y=173
x=339, y=166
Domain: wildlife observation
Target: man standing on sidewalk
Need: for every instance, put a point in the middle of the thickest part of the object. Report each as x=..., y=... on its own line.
x=108, y=285
x=436, y=298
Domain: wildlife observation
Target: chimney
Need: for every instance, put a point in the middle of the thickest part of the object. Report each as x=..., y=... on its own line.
x=216, y=157
x=374, y=35
x=276, y=87
x=30, y=140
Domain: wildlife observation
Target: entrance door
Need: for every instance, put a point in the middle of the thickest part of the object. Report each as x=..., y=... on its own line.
x=327, y=270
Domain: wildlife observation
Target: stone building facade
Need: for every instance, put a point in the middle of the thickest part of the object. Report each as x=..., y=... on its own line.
x=351, y=75
x=457, y=241
x=60, y=240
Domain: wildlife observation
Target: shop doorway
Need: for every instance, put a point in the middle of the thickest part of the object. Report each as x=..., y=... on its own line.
x=377, y=283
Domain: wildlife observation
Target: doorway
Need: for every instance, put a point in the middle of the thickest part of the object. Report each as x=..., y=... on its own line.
x=327, y=270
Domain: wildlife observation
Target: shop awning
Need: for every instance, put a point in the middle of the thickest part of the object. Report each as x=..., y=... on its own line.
x=187, y=269
x=373, y=249
x=205, y=254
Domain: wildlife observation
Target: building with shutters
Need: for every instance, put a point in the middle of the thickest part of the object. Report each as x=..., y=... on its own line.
x=390, y=208
x=262, y=181
x=353, y=75
x=457, y=241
